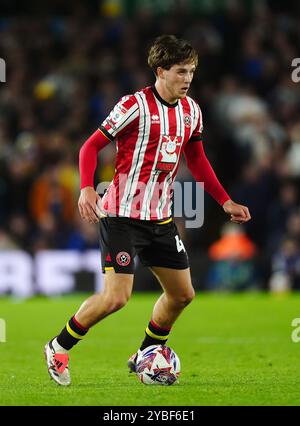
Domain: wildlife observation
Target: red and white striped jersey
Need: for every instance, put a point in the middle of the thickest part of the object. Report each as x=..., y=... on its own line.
x=150, y=137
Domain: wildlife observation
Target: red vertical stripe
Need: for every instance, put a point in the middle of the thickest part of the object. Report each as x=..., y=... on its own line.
x=152, y=146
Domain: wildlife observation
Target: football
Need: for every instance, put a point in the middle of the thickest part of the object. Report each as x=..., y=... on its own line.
x=158, y=365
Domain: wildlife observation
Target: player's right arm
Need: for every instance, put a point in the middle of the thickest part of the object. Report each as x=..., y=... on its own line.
x=89, y=199
x=119, y=121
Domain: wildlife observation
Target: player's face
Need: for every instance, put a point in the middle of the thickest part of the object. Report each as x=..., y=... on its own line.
x=177, y=80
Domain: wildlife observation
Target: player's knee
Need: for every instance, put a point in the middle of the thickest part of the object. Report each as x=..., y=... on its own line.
x=117, y=303
x=186, y=298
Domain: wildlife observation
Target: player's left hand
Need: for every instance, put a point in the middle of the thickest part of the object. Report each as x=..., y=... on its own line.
x=238, y=213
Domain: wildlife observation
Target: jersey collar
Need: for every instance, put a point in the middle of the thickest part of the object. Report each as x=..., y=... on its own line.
x=157, y=95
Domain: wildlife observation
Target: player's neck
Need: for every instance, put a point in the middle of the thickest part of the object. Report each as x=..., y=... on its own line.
x=164, y=93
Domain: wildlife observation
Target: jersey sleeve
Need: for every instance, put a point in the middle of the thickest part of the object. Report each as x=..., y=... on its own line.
x=203, y=172
x=197, y=134
x=122, y=117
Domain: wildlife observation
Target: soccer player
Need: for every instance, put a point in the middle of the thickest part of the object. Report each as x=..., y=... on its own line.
x=152, y=128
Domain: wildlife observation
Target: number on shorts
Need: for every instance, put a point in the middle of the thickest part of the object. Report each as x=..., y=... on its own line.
x=179, y=244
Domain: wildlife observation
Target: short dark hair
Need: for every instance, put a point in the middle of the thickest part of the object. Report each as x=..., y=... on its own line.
x=169, y=50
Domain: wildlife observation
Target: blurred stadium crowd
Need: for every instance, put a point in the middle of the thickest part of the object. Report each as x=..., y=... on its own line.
x=66, y=70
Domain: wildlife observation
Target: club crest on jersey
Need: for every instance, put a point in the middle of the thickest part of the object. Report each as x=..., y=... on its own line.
x=123, y=258
x=168, y=153
x=187, y=120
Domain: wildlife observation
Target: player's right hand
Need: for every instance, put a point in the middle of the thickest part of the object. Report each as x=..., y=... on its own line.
x=89, y=205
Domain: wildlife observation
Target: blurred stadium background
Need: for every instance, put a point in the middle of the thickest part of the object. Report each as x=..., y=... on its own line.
x=68, y=62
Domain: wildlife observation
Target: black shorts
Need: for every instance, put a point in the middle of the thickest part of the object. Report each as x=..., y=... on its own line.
x=155, y=243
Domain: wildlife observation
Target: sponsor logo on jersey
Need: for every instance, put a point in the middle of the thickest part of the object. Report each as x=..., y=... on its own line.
x=155, y=119
x=117, y=114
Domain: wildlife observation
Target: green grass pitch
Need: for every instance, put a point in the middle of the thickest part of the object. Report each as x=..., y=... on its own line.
x=234, y=350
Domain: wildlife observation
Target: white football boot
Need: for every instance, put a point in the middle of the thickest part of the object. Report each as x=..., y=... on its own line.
x=57, y=364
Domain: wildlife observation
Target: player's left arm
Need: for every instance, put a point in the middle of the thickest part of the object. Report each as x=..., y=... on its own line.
x=238, y=212
x=203, y=172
